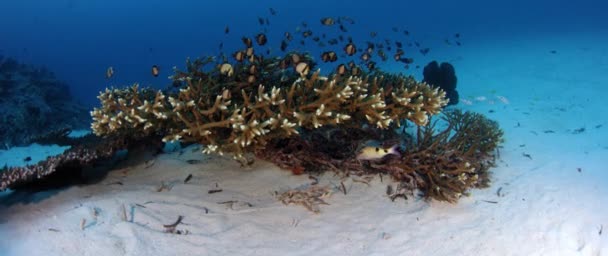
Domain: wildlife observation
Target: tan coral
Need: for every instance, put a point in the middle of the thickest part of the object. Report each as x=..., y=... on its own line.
x=237, y=119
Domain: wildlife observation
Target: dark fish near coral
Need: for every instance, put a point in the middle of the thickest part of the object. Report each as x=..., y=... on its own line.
x=295, y=58
x=253, y=69
x=425, y=51
x=355, y=71
x=288, y=36
x=371, y=65
x=302, y=68
x=272, y=11
x=370, y=47
x=307, y=33
x=251, y=79
x=249, y=52
x=343, y=29
x=247, y=41
x=261, y=20
x=327, y=21
x=109, y=72
x=350, y=49
x=330, y=56
x=351, y=64
x=261, y=39
x=365, y=56
x=226, y=30
x=239, y=56
x=382, y=55
x=155, y=71
x=226, y=69
x=407, y=60
x=397, y=56
x=341, y=69
x=347, y=19
x=283, y=45
x=373, y=34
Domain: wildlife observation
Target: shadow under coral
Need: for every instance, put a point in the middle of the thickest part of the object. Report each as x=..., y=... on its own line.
x=88, y=162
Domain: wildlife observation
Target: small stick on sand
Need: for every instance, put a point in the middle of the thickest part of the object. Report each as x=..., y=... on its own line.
x=163, y=186
x=343, y=187
x=149, y=163
x=188, y=178
x=123, y=215
x=498, y=192
x=177, y=222
x=361, y=181
x=170, y=228
x=487, y=201
x=314, y=179
x=214, y=191
x=83, y=222
x=294, y=222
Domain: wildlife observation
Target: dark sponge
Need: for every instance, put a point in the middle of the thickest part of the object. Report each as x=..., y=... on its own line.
x=443, y=76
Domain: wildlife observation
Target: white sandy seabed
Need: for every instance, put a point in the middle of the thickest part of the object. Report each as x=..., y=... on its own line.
x=551, y=203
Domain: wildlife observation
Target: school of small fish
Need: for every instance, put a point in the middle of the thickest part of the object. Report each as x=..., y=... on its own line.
x=376, y=49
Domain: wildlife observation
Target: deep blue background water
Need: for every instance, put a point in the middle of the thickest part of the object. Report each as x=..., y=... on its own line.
x=78, y=40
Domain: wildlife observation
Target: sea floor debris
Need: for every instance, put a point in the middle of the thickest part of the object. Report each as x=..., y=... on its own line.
x=310, y=197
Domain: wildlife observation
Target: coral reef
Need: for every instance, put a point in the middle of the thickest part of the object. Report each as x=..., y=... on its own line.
x=306, y=122
x=71, y=166
x=229, y=114
x=444, y=77
x=33, y=101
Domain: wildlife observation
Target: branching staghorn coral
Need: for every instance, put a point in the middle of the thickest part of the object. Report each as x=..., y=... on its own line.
x=443, y=164
x=215, y=110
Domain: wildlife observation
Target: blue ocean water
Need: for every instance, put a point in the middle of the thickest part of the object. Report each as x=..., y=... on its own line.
x=537, y=67
x=78, y=40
